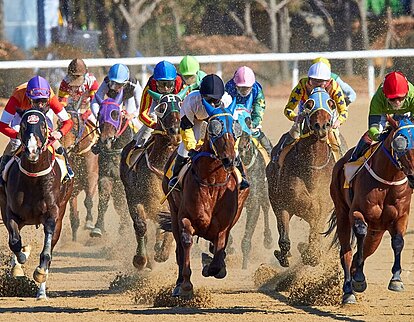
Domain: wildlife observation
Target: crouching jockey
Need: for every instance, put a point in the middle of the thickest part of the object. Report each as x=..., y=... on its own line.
x=34, y=94
x=193, y=116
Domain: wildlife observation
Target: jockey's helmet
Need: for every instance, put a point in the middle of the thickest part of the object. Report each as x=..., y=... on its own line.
x=164, y=70
x=322, y=60
x=395, y=85
x=319, y=71
x=38, y=88
x=76, y=72
x=118, y=73
x=244, y=77
x=212, y=86
x=188, y=66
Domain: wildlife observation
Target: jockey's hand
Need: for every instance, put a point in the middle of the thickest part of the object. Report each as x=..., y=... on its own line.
x=96, y=148
x=299, y=118
x=192, y=153
x=336, y=124
x=129, y=116
x=85, y=115
x=56, y=135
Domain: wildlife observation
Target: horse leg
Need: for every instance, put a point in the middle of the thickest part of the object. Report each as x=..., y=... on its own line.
x=91, y=164
x=360, y=228
x=164, y=241
x=74, y=217
x=120, y=205
x=312, y=253
x=17, y=270
x=397, y=244
x=187, y=231
x=40, y=273
x=88, y=203
x=41, y=292
x=105, y=189
x=217, y=267
x=282, y=255
x=268, y=240
x=15, y=240
x=252, y=215
x=138, y=216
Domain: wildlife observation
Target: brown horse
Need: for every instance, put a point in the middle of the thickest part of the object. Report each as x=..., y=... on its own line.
x=142, y=179
x=78, y=143
x=377, y=200
x=301, y=186
x=210, y=201
x=34, y=194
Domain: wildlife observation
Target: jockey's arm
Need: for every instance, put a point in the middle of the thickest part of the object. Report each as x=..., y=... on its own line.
x=187, y=134
x=63, y=94
x=347, y=90
x=258, y=109
x=132, y=104
x=62, y=115
x=7, y=117
x=101, y=92
x=144, y=109
x=339, y=98
x=293, y=102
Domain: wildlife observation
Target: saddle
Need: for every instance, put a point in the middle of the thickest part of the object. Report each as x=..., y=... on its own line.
x=135, y=154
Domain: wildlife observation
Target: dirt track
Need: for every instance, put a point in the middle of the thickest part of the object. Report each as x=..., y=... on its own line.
x=81, y=272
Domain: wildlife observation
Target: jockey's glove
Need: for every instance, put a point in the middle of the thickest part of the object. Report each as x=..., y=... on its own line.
x=374, y=133
x=96, y=148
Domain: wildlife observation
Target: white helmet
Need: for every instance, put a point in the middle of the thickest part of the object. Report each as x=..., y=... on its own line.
x=319, y=71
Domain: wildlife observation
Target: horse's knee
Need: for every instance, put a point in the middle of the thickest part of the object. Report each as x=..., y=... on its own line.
x=88, y=202
x=397, y=243
x=187, y=233
x=15, y=245
x=360, y=228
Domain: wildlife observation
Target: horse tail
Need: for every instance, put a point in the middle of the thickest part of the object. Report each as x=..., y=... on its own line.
x=164, y=220
x=331, y=228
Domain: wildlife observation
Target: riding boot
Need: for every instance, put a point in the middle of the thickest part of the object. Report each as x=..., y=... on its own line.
x=4, y=159
x=266, y=144
x=285, y=141
x=60, y=150
x=180, y=161
x=142, y=136
x=359, y=150
x=244, y=184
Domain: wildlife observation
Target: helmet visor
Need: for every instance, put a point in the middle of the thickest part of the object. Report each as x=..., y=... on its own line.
x=243, y=90
x=115, y=85
x=36, y=93
x=165, y=86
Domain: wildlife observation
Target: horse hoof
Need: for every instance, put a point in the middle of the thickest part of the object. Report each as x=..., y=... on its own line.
x=206, y=259
x=21, y=257
x=139, y=262
x=359, y=286
x=95, y=232
x=27, y=249
x=268, y=240
x=348, y=299
x=283, y=260
x=161, y=258
x=39, y=275
x=41, y=295
x=204, y=272
x=222, y=273
x=396, y=286
x=89, y=225
x=176, y=291
x=17, y=271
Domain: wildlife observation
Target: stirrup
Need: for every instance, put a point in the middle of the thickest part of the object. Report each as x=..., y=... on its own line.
x=244, y=184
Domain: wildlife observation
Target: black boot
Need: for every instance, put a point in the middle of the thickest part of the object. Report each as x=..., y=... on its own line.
x=4, y=159
x=60, y=150
x=284, y=141
x=359, y=150
x=178, y=165
x=244, y=184
x=265, y=142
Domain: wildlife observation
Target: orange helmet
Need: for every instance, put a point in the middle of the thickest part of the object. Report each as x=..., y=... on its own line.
x=395, y=85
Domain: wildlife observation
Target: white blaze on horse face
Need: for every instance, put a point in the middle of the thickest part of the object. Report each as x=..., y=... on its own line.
x=32, y=147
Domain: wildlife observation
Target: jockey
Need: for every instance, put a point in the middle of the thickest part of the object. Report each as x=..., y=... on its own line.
x=350, y=95
x=249, y=92
x=37, y=94
x=165, y=80
x=319, y=75
x=78, y=88
x=394, y=96
x=193, y=117
x=119, y=78
x=189, y=69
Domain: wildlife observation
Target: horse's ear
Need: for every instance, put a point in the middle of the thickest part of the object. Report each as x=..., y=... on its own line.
x=391, y=121
x=209, y=108
x=232, y=106
x=155, y=96
x=309, y=104
x=248, y=121
x=98, y=99
x=118, y=98
x=183, y=93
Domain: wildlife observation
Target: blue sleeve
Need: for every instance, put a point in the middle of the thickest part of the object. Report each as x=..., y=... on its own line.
x=347, y=89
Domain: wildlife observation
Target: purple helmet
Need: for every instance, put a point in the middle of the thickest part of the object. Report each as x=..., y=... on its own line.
x=38, y=87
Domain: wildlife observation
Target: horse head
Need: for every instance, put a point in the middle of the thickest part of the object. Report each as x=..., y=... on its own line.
x=70, y=140
x=401, y=143
x=168, y=113
x=33, y=133
x=319, y=112
x=109, y=119
x=221, y=133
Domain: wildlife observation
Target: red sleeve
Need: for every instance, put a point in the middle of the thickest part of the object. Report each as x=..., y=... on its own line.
x=66, y=126
x=12, y=105
x=55, y=105
x=7, y=130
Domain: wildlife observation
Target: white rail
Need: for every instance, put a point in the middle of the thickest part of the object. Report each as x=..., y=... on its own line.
x=219, y=59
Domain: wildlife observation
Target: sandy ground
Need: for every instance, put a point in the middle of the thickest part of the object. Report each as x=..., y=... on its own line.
x=78, y=286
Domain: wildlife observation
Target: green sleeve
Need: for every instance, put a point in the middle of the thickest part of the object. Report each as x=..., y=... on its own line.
x=258, y=109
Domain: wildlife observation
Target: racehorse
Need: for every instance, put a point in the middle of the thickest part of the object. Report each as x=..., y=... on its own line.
x=115, y=133
x=142, y=178
x=78, y=143
x=301, y=185
x=210, y=202
x=258, y=199
x=35, y=193
x=377, y=200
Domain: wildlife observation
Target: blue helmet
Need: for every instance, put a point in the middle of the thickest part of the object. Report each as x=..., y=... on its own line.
x=38, y=87
x=164, y=70
x=118, y=73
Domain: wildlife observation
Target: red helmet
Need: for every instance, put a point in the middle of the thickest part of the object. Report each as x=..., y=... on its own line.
x=395, y=85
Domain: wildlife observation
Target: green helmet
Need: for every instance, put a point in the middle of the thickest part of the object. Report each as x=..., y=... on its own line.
x=188, y=66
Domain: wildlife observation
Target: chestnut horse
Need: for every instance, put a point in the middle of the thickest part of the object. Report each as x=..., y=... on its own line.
x=209, y=203
x=258, y=198
x=34, y=193
x=78, y=143
x=142, y=179
x=301, y=186
x=115, y=133
x=377, y=200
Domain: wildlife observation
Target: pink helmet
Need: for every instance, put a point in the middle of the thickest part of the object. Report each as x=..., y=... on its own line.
x=244, y=77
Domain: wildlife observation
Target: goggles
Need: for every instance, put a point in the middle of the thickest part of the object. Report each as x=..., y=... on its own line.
x=39, y=101
x=243, y=90
x=189, y=79
x=212, y=100
x=317, y=82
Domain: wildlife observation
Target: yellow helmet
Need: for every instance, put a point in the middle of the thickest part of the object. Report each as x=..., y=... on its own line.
x=322, y=60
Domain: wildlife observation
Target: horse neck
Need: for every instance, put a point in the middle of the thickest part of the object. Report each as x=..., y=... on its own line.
x=249, y=156
x=209, y=167
x=313, y=152
x=44, y=161
x=161, y=150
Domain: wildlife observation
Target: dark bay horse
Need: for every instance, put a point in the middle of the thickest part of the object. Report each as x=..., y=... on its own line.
x=377, y=200
x=78, y=143
x=210, y=202
x=142, y=179
x=258, y=198
x=301, y=186
x=115, y=134
x=34, y=193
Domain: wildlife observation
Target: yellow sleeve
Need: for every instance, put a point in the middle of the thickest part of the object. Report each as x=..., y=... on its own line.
x=188, y=139
x=295, y=97
x=339, y=98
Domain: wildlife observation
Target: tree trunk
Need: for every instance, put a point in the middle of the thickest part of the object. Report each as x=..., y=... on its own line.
x=107, y=39
x=284, y=21
x=349, y=69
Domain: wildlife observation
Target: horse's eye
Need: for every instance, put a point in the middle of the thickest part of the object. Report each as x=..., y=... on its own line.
x=215, y=127
x=237, y=129
x=115, y=115
x=160, y=109
x=399, y=144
